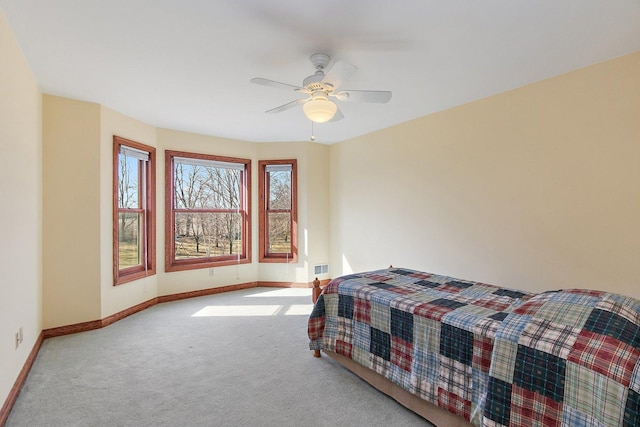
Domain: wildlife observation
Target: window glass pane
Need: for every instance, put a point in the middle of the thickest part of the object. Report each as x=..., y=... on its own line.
x=279, y=233
x=202, y=235
x=199, y=187
x=128, y=185
x=280, y=190
x=129, y=238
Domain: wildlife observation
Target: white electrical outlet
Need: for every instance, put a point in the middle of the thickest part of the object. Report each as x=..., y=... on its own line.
x=17, y=339
x=211, y=272
x=21, y=336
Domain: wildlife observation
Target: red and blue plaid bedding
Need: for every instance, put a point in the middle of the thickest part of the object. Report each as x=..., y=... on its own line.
x=495, y=356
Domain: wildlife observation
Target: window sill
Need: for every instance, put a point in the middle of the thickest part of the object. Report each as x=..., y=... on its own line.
x=130, y=277
x=182, y=266
x=279, y=259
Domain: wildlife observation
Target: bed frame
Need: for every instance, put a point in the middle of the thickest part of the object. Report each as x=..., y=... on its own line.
x=432, y=413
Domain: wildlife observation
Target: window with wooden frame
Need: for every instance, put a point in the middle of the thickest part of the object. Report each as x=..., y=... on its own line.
x=278, y=198
x=134, y=246
x=208, y=211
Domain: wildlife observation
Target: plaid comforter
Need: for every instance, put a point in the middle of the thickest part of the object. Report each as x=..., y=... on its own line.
x=495, y=356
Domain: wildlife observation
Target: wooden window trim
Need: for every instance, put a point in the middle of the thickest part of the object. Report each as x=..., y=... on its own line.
x=126, y=275
x=171, y=264
x=263, y=194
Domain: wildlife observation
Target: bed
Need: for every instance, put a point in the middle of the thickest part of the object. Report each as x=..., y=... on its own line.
x=459, y=352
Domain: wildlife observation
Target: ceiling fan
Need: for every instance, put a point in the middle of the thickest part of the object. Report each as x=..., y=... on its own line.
x=322, y=89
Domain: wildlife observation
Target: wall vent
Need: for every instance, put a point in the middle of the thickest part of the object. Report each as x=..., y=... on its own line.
x=321, y=269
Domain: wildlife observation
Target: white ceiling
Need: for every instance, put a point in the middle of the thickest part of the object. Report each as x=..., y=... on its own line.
x=186, y=64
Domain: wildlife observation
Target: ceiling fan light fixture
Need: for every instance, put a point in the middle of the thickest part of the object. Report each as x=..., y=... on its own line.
x=319, y=110
x=320, y=87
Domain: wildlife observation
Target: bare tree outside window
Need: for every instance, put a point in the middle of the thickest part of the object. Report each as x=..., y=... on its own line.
x=278, y=210
x=279, y=216
x=129, y=217
x=133, y=210
x=209, y=213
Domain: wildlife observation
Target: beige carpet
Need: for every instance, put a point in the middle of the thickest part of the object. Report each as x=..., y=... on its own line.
x=233, y=359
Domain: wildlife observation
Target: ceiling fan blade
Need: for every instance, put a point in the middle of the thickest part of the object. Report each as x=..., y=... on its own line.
x=287, y=106
x=378, y=96
x=337, y=116
x=273, y=83
x=339, y=73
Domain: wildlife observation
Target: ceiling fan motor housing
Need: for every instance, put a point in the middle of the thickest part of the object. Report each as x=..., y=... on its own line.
x=314, y=82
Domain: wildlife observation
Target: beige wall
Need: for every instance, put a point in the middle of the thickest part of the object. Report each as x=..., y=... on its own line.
x=78, y=247
x=20, y=209
x=71, y=211
x=537, y=188
x=78, y=138
x=81, y=133
x=117, y=298
x=313, y=215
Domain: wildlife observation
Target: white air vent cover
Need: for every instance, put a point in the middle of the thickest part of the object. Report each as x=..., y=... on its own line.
x=321, y=269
